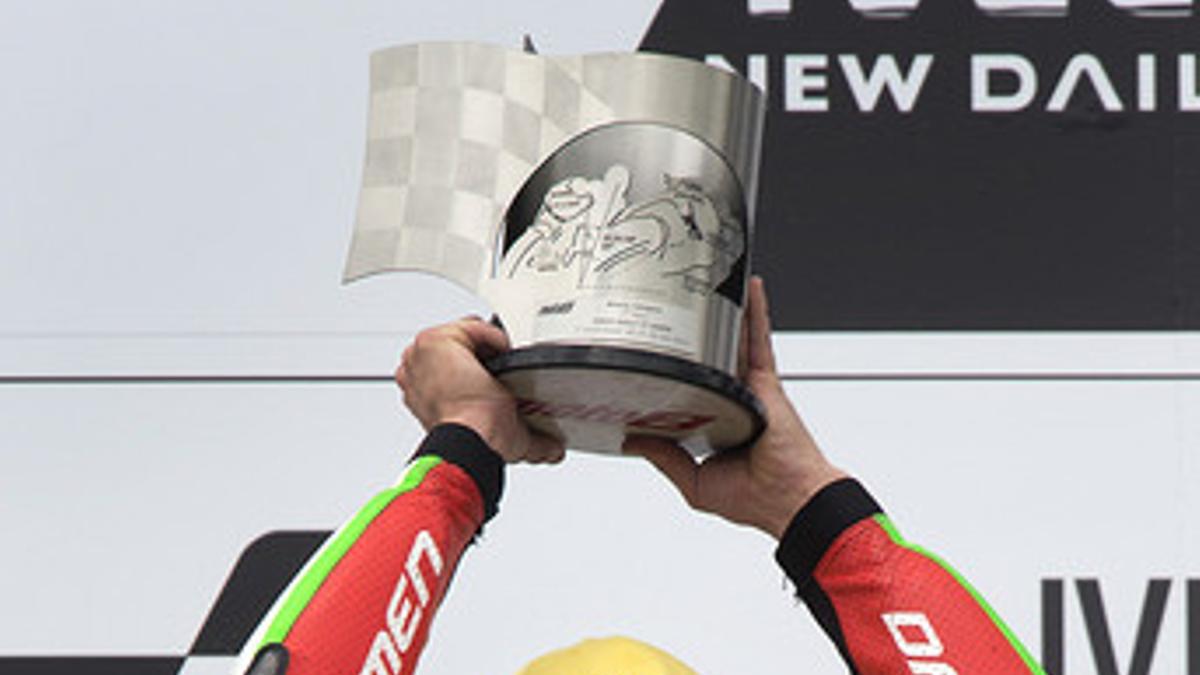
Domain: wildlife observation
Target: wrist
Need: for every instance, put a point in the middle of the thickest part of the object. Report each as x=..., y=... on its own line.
x=832, y=511
x=495, y=432
x=462, y=446
x=800, y=493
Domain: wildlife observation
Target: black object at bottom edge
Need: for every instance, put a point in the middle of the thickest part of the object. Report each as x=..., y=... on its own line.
x=541, y=357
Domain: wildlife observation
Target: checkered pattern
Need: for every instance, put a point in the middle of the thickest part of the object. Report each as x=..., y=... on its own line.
x=456, y=129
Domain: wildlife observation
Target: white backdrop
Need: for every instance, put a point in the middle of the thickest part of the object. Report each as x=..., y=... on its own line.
x=177, y=183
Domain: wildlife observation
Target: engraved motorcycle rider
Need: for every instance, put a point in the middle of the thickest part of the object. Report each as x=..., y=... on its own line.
x=587, y=228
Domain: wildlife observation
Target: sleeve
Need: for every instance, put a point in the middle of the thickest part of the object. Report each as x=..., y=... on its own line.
x=363, y=603
x=888, y=605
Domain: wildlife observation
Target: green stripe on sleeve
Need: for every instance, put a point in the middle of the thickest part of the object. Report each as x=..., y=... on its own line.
x=319, y=569
x=889, y=527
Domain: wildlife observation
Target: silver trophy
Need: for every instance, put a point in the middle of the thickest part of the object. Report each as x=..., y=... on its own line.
x=601, y=204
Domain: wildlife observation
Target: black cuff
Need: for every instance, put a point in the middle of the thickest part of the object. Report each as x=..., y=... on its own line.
x=463, y=447
x=830, y=512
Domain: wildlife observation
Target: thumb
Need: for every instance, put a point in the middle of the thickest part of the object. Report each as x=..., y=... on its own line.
x=672, y=461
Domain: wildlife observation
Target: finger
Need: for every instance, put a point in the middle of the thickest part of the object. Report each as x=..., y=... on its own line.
x=483, y=338
x=546, y=449
x=555, y=449
x=762, y=354
x=672, y=461
x=401, y=373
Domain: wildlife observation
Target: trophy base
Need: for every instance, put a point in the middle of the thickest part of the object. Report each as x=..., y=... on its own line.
x=594, y=397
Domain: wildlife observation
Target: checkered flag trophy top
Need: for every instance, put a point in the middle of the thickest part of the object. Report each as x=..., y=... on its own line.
x=601, y=204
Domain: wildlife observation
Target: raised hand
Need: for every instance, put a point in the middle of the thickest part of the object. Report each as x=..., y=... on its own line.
x=765, y=485
x=443, y=381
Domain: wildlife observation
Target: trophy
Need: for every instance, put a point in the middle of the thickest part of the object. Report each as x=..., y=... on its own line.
x=601, y=204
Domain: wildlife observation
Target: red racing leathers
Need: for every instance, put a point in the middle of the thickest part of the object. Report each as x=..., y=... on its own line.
x=364, y=603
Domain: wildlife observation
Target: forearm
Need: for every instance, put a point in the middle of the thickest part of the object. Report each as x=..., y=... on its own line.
x=888, y=605
x=365, y=601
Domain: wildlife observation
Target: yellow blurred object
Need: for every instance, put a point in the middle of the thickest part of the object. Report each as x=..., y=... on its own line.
x=607, y=656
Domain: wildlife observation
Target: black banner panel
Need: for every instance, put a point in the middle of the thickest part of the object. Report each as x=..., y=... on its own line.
x=952, y=167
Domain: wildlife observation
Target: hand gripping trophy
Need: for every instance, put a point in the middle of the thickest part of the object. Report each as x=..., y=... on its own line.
x=601, y=204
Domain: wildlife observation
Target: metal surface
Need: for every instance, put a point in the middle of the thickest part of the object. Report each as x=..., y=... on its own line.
x=595, y=397
x=463, y=136
x=633, y=235
x=600, y=202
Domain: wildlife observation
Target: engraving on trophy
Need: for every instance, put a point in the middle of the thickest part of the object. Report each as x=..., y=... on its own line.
x=589, y=230
x=627, y=233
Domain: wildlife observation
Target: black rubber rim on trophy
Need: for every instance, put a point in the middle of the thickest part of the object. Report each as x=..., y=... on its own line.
x=648, y=363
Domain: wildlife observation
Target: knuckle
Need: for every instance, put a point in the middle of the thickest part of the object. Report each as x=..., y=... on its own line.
x=421, y=341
